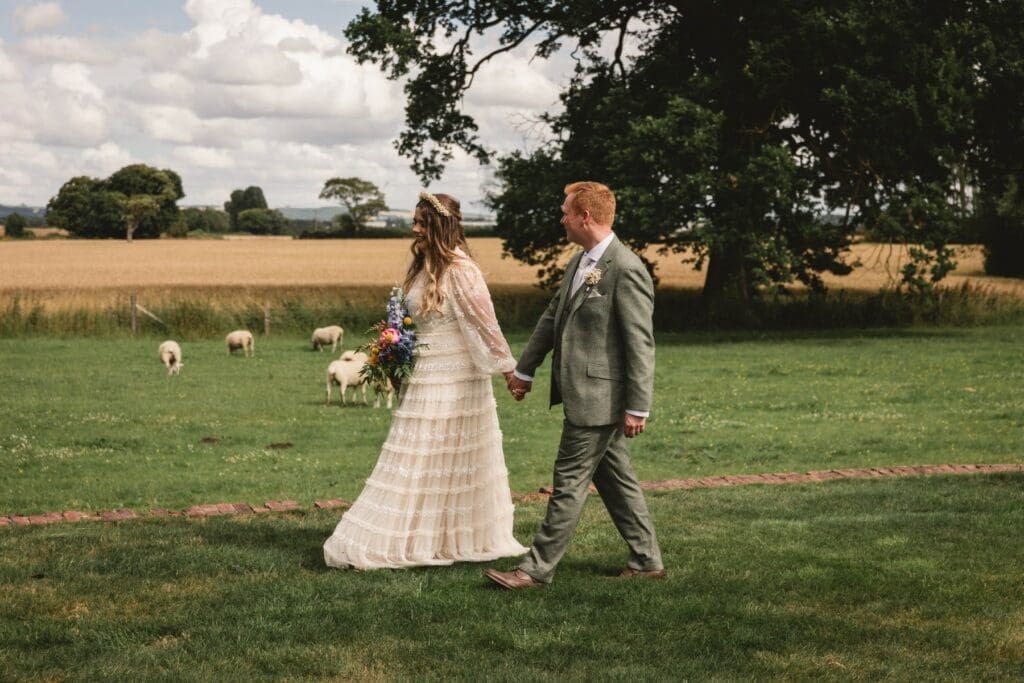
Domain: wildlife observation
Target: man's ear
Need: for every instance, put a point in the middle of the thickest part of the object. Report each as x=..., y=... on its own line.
x=587, y=218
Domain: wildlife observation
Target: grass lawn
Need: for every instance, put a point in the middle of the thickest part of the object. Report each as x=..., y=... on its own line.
x=914, y=579
x=93, y=423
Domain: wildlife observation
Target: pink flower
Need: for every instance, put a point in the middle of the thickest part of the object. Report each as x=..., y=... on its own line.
x=390, y=336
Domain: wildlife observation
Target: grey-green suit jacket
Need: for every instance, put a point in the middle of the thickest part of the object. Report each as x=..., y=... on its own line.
x=602, y=339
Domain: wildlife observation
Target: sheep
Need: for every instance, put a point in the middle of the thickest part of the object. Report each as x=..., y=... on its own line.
x=241, y=339
x=345, y=373
x=170, y=355
x=322, y=336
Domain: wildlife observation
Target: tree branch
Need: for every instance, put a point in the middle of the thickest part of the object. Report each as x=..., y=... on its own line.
x=504, y=48
x=623, y=30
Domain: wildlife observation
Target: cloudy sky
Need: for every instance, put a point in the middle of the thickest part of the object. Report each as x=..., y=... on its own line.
x=228, y=93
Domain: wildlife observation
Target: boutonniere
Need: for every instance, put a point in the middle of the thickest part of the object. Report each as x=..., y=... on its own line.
x=592, y=278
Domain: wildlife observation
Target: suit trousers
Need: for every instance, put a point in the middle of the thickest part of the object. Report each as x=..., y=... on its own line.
x=597, y=454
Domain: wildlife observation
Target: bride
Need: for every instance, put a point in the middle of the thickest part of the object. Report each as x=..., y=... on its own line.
x=439, y=492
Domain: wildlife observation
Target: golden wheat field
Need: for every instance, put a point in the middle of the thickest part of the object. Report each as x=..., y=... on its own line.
x=81, y=273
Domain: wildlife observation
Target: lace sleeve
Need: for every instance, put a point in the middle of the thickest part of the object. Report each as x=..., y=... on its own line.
x=471, y=303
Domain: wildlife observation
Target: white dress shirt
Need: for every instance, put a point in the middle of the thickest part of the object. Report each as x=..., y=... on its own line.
x=587, y=263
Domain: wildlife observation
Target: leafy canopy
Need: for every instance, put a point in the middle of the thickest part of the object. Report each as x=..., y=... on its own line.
x=241, y=200
x=136, y=201
x=262, y=221
x=728, y=130
x=14, y=225
x=361, y=198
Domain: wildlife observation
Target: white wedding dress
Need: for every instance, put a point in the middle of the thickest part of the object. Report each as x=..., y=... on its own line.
x=439, y=492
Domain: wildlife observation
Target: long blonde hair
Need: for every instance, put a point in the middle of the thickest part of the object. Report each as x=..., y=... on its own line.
x=435, y=252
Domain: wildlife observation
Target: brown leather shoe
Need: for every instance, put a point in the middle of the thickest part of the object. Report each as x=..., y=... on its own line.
x=629, y=573
x=513, y=580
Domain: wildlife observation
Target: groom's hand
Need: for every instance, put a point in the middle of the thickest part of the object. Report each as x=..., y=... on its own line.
x=517, y=387
x=634, y=425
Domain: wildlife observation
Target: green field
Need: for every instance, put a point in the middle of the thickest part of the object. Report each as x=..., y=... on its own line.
x=912, y=579
x=95, y=424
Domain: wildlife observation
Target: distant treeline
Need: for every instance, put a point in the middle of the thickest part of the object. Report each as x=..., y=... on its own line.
x=35, y=217
x=199, y=221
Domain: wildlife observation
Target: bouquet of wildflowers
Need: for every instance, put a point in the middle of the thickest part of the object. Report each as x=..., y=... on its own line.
x=390, y=349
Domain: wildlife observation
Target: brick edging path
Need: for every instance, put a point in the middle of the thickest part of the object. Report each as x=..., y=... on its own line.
x=211, y=509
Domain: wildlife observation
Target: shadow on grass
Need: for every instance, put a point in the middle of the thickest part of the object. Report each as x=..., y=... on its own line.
x=280, y=536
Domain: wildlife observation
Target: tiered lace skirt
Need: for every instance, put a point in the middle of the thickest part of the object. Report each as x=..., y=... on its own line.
x=439, y=492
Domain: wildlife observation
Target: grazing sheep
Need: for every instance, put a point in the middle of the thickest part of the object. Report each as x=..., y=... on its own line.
x=322, y=336
x=241, y=339
x=345, y=373
x=170, y=356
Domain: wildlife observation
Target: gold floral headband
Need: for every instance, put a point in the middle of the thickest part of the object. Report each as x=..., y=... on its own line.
x=434, y=202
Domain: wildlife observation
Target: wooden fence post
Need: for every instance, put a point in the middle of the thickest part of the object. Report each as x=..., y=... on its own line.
x=134, y=306
x=266, y=318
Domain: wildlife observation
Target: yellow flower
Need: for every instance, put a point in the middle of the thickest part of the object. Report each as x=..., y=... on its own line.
x=407, y=321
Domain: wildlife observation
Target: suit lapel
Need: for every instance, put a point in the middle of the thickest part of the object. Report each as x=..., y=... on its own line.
x=563, y=303
x=606, y=260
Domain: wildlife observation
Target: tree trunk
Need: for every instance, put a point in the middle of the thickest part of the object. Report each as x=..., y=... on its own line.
x=728, y=288
x=131, y=231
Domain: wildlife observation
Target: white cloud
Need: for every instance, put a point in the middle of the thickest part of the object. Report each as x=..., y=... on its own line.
x=75, y=78
x=168, y=123
x=205, y=157
x=16, y=125
x=29, y=155
x=162, y=87
x=218, y=20
x=71, y=122
x=512, y=81
x=8, y=72
x=297, y=45
x=61, y=105
x=163, y=49
x=103, y=160
x=239, y=62
x=66, y=49
x=38, y=17
x=25, y=172
x=219, y=12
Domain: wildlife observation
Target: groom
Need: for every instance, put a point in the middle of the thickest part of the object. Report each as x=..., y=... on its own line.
x=599, y=328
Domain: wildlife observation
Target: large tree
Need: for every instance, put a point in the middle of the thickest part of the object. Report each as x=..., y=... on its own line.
x=998, y=158
x=243, y=200
x=726, y=129
x=137, y=209
x=136, y=201
x=205, y=220
x=361, y=198
x=85, y=207
x=262, y=221
x=150, y=199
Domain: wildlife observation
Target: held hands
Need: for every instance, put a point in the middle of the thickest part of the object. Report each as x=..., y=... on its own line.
x=634, y=425
x=517, y=387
